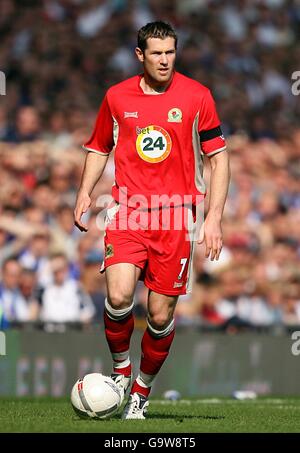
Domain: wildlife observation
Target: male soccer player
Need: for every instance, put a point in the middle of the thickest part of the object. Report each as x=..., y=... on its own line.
x=161, y=124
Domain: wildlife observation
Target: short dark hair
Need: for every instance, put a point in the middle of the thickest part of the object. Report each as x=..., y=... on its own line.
x=158, y=29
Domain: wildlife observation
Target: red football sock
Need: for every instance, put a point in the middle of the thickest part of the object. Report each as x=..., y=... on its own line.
x=118, y=334
x=155, y=350
x=140, y=389
x=126, y=370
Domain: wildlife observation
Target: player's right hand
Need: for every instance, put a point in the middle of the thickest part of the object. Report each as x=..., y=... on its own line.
x=83, y=203
x=211, y=235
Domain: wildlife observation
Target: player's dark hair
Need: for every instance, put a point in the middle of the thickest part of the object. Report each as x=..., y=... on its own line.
x=158, y=29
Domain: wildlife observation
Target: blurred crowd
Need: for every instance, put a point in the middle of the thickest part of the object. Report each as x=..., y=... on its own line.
x=59, y=57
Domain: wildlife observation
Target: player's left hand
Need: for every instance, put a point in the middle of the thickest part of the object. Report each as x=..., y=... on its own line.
x=211, y=234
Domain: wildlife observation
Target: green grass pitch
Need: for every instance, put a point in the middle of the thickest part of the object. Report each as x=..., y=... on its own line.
x=209, y=415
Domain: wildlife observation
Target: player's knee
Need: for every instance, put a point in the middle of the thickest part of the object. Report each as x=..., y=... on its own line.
x=159, y=321
x=118, y=300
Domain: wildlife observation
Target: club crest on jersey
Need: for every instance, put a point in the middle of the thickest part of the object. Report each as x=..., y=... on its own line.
x=109, y=251
x=175, y=115
x=131, y=115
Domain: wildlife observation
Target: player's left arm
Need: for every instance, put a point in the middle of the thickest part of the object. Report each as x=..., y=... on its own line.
x=214, y=147
x=212, y=228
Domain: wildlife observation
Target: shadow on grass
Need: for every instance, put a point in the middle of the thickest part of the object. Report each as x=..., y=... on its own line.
x=153, y=416
x=156, y=414
x=183, y=417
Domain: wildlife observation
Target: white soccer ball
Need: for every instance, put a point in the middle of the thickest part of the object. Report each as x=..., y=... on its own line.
x=95, y=396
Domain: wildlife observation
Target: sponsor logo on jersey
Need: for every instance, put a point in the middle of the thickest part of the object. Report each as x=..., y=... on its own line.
x=131, y=115
x=153, y=143
x=109, y=251
x=175, y=115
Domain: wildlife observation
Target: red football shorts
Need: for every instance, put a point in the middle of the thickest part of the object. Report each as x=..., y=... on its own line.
x=158, y=241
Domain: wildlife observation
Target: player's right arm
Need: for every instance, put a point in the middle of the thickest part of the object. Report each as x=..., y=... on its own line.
x=99, y=147
x=93, y=169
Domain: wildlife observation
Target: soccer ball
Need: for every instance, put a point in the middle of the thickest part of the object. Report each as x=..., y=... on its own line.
x=95, y=396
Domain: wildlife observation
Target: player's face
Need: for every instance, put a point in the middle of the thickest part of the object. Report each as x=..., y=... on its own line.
x=158, y=59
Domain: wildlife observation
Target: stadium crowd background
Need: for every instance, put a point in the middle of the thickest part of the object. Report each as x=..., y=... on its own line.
x=59, y=56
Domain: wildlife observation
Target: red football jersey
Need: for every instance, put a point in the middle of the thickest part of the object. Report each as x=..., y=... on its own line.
x=159, y=140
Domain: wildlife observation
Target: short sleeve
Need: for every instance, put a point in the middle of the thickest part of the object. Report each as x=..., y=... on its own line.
x=209, y=128
x=101, y=140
